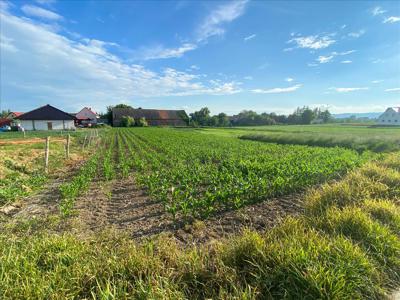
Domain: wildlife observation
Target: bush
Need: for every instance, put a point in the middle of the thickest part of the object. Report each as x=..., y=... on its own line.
x=127, y=121
x=142, y=122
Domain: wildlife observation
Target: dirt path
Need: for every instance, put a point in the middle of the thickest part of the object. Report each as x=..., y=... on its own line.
x=121, y=205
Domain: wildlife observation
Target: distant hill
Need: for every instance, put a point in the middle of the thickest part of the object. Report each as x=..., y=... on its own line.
x=370, y=115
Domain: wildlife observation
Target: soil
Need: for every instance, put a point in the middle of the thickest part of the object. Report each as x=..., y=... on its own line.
x=29, y=141
x=121, y=205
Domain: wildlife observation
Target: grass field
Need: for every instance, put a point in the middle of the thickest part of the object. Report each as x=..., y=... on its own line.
x=22, y=161
x=343, y=243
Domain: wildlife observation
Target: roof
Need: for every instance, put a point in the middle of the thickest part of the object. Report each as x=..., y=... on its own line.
x=150, y=114
x=46, y=112
x=17, y=113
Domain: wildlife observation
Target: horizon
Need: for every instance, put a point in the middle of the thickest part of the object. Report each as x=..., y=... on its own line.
x=227, y=56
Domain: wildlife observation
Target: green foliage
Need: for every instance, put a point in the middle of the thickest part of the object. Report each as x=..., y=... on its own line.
x=142, y=122
x=79, y=184
x=375, y=144
x=127, y=121
x=224, y=173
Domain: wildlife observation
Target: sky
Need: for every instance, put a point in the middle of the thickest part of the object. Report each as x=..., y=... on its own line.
x=267, y=56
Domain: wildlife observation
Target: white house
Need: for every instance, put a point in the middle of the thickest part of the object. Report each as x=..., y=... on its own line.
x=391, y=117
x=86, y=115
x=47, y=118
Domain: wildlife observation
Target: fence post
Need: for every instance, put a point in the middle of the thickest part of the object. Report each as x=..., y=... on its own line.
x=68, y=144
x=46, y=155
x=84, y=142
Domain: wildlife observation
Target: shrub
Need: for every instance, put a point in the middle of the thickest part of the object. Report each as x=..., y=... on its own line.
x=142, y=122
x=127, y=121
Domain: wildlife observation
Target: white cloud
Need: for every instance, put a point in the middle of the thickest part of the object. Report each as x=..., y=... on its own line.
x=357, y=34
x=213, y=23
x=248, y=77
x=346, y=61
x=391, y=19
x=324, y=59
x=43, y=66
x=35, y=11
x=393, y=90
x=348, y=89
x=289, y=79
x=159, y=52
x=250, y=37
x=377, y=11
x=277, y=90
x=313, y=41
x=194, y=67
x=376, y=81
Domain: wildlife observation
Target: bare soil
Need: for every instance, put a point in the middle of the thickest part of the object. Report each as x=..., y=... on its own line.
x=29, y=141
x=121, y=205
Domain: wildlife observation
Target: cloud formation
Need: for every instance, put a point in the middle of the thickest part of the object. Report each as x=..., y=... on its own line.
x=391, y=19
x=347, y=89
x=313, y=41
x=393, y=90
x=277, y=90
x=250, y=37
x=377, y=11
x=35, y=11
x=76, y=73
x=213, y=24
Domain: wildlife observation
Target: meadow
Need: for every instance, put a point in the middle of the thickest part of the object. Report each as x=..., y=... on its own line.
x=345, y=243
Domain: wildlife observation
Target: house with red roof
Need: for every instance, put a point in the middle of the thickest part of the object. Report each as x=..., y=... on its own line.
x=86, y=116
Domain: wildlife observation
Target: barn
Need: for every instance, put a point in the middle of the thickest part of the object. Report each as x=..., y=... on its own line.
x=391, y=117
x=47, y=118
x=154, y=117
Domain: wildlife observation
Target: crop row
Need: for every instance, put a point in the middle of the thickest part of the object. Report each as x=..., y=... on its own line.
x=194, y=174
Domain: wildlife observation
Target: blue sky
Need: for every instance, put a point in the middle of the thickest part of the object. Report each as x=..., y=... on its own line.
x=260, y=55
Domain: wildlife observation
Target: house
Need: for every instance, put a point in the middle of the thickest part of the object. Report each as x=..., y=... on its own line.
x=154, y=117
x=47, y=118
x=391, y=117
x=14, y=115
x=86, y=116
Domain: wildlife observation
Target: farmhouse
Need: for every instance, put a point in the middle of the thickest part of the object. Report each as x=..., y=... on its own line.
x=154, y=117
x=86, y=116
x=14, y=115
x=391, y=117
x=47, y=118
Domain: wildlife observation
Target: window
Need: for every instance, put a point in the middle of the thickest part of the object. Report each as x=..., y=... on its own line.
x=383, y=121
x=389, y=121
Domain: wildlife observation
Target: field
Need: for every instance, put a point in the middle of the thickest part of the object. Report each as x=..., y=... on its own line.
x=164, y=213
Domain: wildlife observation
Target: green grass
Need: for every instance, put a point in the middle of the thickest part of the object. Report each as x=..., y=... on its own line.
x=348, y=250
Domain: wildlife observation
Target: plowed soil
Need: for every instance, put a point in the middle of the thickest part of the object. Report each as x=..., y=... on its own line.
x=121, y=205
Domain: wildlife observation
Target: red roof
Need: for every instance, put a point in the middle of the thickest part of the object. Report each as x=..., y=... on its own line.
x=17, y=113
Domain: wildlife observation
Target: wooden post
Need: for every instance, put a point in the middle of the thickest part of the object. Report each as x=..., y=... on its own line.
x=84, y=142
x=46, y=155
x=68, y=144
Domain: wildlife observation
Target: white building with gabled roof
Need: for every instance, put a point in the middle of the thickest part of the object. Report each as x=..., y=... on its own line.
x=391, y=117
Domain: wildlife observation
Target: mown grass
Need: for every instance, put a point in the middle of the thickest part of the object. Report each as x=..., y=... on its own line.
x=349, y=141
x=346, y=246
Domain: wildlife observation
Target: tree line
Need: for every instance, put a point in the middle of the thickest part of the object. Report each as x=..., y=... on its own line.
x=302, y=115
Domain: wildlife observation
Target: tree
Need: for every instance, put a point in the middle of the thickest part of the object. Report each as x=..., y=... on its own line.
x=109, y=116
x=223, y=120
x=201, y=117
x=127, y=121
x=4, y=113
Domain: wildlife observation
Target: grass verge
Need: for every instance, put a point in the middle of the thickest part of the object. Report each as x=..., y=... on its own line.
x=346, y=246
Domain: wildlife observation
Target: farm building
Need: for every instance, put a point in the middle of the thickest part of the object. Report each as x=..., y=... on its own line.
x=86, y=116
x=391, y=117
x=47, y=118
x=14, y=115
x=154, y=117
